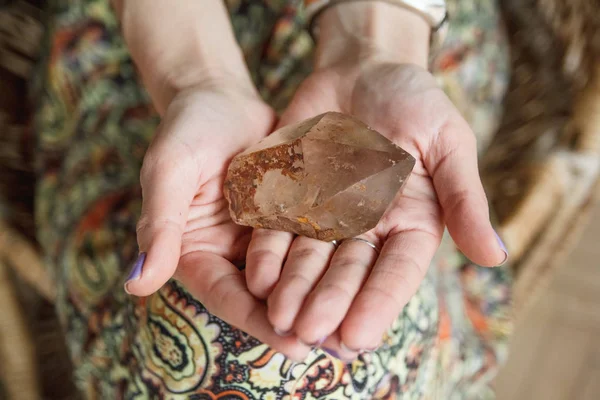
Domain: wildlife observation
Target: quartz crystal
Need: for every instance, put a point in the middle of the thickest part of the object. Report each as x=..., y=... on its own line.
x=330, y=177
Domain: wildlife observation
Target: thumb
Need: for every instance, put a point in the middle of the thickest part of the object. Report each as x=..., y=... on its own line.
x=452, y=163
x=168, y=187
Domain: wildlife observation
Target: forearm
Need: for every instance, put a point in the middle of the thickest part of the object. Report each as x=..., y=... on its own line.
x=181, y=44
x=356, y=31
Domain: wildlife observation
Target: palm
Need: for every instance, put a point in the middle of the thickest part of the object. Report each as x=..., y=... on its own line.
x=187, y=232
x=209, y=227
x=200, y=133
x=351, y=295
x=185, y=224
x=417, y=208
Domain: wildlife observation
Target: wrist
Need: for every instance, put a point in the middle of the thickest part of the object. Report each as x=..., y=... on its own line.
x=198, y=75
x=358, y=31
x=176, y=48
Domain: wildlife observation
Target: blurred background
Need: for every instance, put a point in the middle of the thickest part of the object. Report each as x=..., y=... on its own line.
x=541, y=174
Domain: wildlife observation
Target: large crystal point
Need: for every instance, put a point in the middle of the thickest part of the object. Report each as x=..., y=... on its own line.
x=329, y=178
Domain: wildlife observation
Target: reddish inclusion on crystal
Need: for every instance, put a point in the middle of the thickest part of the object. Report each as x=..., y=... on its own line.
x=330, y=177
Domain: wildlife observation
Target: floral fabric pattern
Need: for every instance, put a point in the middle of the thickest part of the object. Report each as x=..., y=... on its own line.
x=93, y=124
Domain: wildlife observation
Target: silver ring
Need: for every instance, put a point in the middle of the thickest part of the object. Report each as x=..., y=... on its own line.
x=335, y=243
x=372, y=245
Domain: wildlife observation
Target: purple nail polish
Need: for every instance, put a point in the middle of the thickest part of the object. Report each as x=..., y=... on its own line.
x=331, y=352
x=136, y=270
x=503, y=247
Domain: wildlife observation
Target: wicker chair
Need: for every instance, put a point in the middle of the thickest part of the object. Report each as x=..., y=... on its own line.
x=17, y=348
x=543, y=166
x=541, y=171
x=20, y=35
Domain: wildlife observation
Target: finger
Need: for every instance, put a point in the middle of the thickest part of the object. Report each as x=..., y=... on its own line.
x=305, y=104
x=399, y=270
x=305, y=264
x=452, y=162
x=218, y=284
x=167, y=190
x=333, y=347
x=326, y=306
x=266, y=254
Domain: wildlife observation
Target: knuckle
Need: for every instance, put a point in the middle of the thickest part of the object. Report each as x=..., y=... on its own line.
x=383, y=298
x=285, y=300
x=464, y=199
x=263, y=258
x=261, y=233
x=306, y=251
x=410, y=268
x=346, y=260
x=155, y=226
x=296, y=280
x=276, y=313
x=302, y=252
x=390, y=219
x=261, y=276
x=456, y=200
x=332, y=294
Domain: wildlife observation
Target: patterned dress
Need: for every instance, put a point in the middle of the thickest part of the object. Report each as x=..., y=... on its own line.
x=93, y=124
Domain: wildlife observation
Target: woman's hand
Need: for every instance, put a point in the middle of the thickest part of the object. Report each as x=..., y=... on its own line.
x=185, y=229
x=352, y=295
x=196, y=75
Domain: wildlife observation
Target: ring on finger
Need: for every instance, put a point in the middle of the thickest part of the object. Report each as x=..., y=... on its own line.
x=358, y=239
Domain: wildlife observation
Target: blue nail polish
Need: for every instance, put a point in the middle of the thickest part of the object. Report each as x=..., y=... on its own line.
x=136, y=270
x=332, y=353
x=503, y=247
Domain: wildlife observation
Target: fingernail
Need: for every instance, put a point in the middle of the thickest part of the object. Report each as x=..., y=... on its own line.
x=313, y=345
x=319, y=342
x=335, y=354
x=348, y=349
x=331, y=352
x=503, y=247
x=136, y=270
x=282, y=333
x=361, y=351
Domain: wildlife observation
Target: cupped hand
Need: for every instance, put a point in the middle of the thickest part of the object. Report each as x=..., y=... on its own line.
x=185, y=228
x=350, y=296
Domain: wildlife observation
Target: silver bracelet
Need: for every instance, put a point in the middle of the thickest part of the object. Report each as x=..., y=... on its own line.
x=433, y=11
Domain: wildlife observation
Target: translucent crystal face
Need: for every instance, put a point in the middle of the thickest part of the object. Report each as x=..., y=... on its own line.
x=330, y=177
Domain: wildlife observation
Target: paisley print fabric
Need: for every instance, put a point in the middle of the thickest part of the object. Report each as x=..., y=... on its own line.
x=93, y=124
